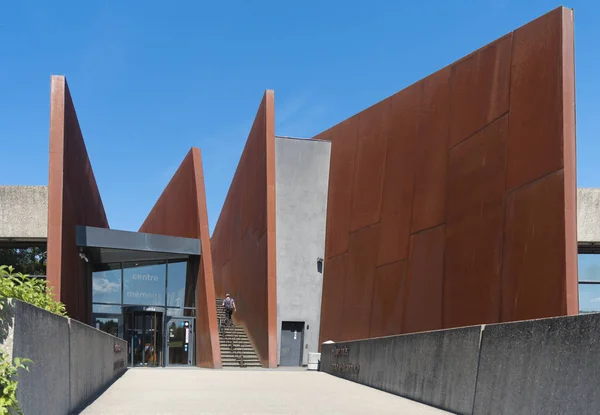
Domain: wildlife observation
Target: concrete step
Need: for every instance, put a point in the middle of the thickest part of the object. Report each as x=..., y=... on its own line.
x=238, y=345
x=230, y=359
x=237, y=350
x=249, y=356
x=229, y=337
x=226, y=348
x=237, y=365
x=236, y=329
x=237, y=358
x=243, y=345
x=235, y=339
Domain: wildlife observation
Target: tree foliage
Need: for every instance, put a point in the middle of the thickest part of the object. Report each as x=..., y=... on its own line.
x=31, y=261
x=8, y=384
x=30, y=290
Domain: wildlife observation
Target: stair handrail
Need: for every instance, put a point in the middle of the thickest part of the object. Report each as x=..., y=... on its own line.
x=232, y=339
x=236, y=341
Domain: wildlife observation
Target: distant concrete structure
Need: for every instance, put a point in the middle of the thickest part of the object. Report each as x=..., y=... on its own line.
x=23, y=213
x=301, y=181
x=588, y=216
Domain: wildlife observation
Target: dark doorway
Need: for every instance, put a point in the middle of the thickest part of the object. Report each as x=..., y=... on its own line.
x=292, y=339
x=144, y=330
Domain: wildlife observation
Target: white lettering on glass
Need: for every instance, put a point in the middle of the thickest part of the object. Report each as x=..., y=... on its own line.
x=145, y=277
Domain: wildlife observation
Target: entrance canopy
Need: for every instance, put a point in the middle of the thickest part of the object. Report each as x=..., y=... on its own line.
x=143, y=290
x=109, y=245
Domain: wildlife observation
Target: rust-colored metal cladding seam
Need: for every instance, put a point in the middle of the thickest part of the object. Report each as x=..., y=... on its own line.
x=478, y=162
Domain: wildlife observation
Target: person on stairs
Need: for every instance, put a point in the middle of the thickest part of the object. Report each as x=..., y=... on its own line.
x=229, y=305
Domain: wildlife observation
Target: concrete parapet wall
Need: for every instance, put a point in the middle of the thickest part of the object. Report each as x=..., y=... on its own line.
x=72, y=362
x=546, y=366
x=95, y=361
x=438, y=368
x=43, y=337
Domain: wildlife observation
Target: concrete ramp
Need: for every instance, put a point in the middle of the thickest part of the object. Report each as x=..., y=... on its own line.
x=246, y=391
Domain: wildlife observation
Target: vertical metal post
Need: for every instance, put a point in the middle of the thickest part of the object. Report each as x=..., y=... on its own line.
x=132, y=322
x=164, y=322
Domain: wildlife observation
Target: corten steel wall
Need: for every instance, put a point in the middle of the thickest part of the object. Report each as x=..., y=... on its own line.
x=181, y=211
x=243, y=242
x=73, y=199
x=453, y=202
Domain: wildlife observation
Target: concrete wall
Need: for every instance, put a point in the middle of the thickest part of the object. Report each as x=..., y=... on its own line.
x=546, y=366
x=588, y=215
x=438, y=368
x=301, y=181
x=24, y=212
x=72, y=362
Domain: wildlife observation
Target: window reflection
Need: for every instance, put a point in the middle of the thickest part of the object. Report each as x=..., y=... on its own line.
x=108, y=325
x=105, y=308
x=106, y=286
x=177, y=273
x=180, y=285
x=144, y=284
x=589, y=267
x=589, y=298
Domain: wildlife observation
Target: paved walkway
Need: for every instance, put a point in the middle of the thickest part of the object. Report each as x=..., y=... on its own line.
x=250, y=392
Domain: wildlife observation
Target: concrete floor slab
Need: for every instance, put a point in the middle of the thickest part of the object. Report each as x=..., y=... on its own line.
x=250, y=392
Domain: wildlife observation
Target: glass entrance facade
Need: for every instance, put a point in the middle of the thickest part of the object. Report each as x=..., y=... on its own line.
x=145, y=303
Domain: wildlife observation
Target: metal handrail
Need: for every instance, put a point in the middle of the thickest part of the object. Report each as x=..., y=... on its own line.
x=231, y=339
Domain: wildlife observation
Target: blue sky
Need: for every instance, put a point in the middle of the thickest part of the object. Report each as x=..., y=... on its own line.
x=151, y=79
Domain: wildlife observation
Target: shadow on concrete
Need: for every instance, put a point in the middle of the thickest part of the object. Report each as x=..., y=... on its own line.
x=94, y=397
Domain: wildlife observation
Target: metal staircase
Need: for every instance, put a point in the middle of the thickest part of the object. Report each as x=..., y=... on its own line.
x=236, y=349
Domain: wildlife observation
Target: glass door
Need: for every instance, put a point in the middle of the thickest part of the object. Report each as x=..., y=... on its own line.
x=180, y=340
x=145, y=338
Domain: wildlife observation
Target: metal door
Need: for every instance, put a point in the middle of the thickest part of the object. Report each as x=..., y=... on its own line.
x=180, y=341
x=292, y=339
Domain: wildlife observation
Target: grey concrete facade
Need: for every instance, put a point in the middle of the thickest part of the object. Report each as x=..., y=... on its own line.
x=545, y=366
x=24, y=213
x=588, y=215
x=72, y=362
x=302, y=180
